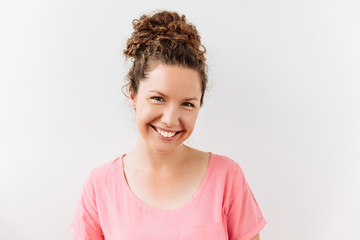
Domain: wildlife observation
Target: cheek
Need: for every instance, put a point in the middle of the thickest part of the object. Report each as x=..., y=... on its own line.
x=144, y=113
x=190, y=120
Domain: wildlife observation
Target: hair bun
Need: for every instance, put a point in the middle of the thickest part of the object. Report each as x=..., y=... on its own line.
x=162, y=28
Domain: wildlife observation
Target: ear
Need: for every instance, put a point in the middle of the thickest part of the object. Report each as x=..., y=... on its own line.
x=132, y=99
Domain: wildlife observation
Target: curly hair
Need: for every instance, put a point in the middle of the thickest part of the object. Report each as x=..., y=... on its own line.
x=164, y=37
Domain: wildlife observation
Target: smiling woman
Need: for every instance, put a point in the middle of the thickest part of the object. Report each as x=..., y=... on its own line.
x=164, y=189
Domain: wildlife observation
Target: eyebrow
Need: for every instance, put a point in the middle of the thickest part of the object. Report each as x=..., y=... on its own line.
x=164, y=95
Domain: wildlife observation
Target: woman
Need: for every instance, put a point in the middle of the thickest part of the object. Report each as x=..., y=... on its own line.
x=164, y=189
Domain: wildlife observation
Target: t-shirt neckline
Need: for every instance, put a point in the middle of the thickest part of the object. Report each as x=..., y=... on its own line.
x=145, y=205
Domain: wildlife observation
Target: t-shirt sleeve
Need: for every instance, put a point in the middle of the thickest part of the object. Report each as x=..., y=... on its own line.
x=244, y=218
x=86, y=223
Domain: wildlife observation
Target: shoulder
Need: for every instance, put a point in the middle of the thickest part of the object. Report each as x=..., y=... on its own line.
x=226, y=165
x=229, y=174
x=106, y=170
x=219, y=163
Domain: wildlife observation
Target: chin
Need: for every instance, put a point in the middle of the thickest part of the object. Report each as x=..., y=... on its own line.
x=165, y=149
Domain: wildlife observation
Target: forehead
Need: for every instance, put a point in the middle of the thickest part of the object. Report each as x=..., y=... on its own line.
x=173, y=80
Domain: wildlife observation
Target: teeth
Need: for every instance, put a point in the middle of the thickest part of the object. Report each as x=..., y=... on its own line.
x=165, y=134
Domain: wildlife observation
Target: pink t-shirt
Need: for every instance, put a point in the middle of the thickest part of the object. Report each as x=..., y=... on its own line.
x=223, y=208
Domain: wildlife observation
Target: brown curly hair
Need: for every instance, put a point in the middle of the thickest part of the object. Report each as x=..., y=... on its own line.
x=164, y=37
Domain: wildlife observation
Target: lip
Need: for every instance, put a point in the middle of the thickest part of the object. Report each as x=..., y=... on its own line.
x=166, y=138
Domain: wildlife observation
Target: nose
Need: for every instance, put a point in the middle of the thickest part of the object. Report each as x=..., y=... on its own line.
x=170, y=116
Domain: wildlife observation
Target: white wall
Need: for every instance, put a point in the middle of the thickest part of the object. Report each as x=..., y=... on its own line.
x=284, y=102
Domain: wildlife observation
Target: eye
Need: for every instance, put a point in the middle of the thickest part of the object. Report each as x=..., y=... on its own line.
x=157, y=98
x=187, y=104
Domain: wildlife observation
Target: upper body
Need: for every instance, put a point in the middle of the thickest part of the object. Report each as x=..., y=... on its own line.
x=222, y=207
x=169, y=185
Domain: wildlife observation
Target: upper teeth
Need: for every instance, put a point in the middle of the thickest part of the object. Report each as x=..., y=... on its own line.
x=165, y=134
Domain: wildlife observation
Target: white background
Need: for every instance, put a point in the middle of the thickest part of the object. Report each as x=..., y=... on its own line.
x=283, y=101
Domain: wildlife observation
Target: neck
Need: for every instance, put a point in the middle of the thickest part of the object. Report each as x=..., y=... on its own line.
x=153, y=160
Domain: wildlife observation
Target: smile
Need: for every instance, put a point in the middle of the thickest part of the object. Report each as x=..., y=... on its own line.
x=166, y=134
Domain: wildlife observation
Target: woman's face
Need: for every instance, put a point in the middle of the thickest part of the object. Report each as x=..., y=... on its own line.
x=167, y=105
